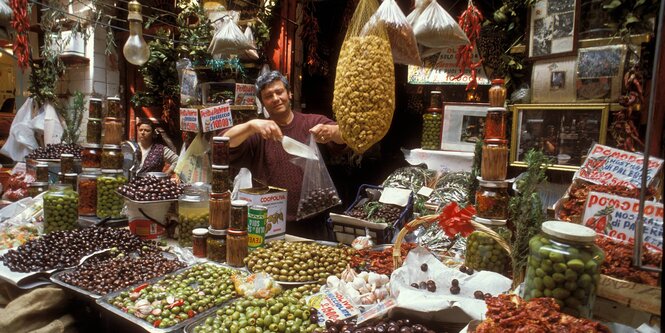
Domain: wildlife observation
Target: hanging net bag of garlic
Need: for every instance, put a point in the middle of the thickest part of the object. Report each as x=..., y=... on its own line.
x=364, y=96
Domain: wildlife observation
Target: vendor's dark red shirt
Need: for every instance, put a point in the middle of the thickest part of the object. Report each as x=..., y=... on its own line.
x=271, y=165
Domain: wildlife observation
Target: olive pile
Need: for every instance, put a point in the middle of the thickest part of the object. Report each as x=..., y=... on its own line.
x=431, y=131
x=150, y=188
x=178, y=297
x=299, y=261
x=383, y=326
x=53, y=151
x=109, y=203
x=61, y=210
x=385, y=213
x=428, y=285
x=189, y=221
x=317, y=201
x=284, y=313
x=114, y=272
x=484, y=253
x=62, y=249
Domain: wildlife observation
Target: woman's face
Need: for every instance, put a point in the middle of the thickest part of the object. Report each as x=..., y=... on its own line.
x=144, y=133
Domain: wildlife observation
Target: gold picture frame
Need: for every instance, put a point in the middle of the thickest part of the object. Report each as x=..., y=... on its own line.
x=563, y=131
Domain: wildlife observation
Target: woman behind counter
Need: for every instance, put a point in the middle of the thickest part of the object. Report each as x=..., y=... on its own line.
x=153, y=155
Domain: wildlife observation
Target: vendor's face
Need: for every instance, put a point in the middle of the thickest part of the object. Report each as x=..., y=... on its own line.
x=275, y=98
x=144, y=133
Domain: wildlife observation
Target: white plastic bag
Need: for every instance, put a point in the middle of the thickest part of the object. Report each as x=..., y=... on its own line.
x=52, y=126
x=21, y=141
x=242, y=180
x=251, y=53
x=435, y=28
x=415, y=13
x=402, y=40
x=228, y=39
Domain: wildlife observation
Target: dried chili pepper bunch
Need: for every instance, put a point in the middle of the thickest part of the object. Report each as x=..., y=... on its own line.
x=21, y=23
x=470, y=21
x=577, y=195
x=379, y=261
x=623, y=129
x=619, y=261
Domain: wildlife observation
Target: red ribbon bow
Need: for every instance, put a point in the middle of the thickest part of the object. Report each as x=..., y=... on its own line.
x=454, y=220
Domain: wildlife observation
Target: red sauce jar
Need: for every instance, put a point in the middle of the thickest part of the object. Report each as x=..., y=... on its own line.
x=495, y=123
x=91, y=156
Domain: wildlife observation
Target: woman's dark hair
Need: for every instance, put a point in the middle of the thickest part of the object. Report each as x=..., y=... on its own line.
x=145, y=121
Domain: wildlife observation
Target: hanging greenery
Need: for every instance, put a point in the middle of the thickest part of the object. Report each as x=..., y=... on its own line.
x=195, y=32
x=72, y=117
x=159, y=73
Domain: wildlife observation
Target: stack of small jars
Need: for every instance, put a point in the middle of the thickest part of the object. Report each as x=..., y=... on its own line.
x=492, y=198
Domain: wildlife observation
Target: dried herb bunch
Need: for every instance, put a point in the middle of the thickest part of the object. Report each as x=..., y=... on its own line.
x=526, y=211
x=72, y=117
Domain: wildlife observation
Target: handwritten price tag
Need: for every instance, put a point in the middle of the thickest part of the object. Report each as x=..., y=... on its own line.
x=611, y=166
x=443, y=68
x=189, y=120
x=216, y=118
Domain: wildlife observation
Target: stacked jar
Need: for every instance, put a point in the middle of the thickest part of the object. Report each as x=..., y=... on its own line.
x=94, y=127
x=109, y=202
x=193, y=212
x=433, y=123
x=113, y=123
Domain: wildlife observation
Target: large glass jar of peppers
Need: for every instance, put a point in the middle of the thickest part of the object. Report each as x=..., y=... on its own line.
x=492, y=199
x=483, y=251
x=60, y=208
x=87, y=189
x=109, y=202
x=564, y=263
x=193, y=212
x=432, y=123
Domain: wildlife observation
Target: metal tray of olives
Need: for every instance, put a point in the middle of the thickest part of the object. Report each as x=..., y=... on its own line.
x=103, y=302
x=145, y=202
x=56, y=278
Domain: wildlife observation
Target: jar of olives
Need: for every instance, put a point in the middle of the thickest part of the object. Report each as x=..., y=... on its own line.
x=239, y=211
x=483, y=252
x=91, y=156
x=94, y=131
x=60, y=208
x=492, y=199
x=71, y=179
x=432, y=123
x=112, y=157
x=199, y=236
x=36, y=188
x=66, y=163
x=87, y=189
x=216, y=245
x=109, y=202
x=564, y=263
x=236, y=248
x=221, y=178
x=193, y=212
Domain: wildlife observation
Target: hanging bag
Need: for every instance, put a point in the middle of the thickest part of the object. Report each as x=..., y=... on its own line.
x=402, y=41
x=435, y=28
x=228, y=38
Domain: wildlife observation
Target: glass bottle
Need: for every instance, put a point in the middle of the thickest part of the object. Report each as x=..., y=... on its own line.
x=91, y=156
x=497, y=93
x=483, y=252
x=433, y=123
x=239, y=215
x=564, y=263
x=94, y=131
x=112, y=157
x=220, y=210
x=495, y=123
x=109, y=202
x=114, y=108
x=41, y=172
x=199, y=242
x=114, y=131
x=95, y=108
x=236, y=248
x=492, y=199
x=220, y=150
x=494, y=163
x=66, y=163
x=36, y=188
x=87, y=189
x=193, y=212
x=216, y=245
x=60, y=208
x=221, y=178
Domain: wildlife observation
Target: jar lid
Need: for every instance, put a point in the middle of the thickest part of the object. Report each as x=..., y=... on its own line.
x=496, y=109
x=489, y=221
x=113, y=99
x=569, y=231
x=493, y=183
x=496, y=141
x=237, y=232
x=112, y=119
x=91, y=173
x=110, y=171
x=217, y=232
x=239, y=203
x=220, y=195
x=221, y=138
x=94, y=119
x=200, y=232
x=71, y=174
x=41, y=164
x=113, y=147
x=66, y=155
x=220, y=167
x=38, y=184
x=498, y=81
x=91, y=145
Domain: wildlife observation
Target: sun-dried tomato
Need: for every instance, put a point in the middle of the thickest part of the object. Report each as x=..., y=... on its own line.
x=619, y=261
x=380, y=262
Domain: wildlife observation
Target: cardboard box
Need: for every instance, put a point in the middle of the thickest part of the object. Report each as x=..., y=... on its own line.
x=273, y=198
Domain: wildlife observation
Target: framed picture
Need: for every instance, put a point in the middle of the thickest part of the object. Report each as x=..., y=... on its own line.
x=463, y=125
x=600, y=73
x=553, y=81
x=565, y=132
x=553, y=28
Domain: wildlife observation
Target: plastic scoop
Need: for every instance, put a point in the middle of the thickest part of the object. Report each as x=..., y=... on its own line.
x=297, y=148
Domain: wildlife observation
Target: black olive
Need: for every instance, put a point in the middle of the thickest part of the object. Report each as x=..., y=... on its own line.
x=454, y=290
x=478, y=294
x=423, y=267
x=415, y=285
x=455, y=282
x=422, y=285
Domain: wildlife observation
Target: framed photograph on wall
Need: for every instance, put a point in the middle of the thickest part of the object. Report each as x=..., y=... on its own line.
x=565, y=132
x=553, y=28
x=463, y=125
x=553, y=81
x=600, y=73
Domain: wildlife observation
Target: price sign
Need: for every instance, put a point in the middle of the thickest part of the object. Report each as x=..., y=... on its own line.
x=442, y=68
x=245, y=94
x=611, y=166
x=216, y=118
x=189, y=120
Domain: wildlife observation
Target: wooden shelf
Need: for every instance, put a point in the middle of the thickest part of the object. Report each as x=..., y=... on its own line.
x=637, y=296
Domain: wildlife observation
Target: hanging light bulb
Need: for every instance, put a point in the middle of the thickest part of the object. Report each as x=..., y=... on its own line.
x=136, y=50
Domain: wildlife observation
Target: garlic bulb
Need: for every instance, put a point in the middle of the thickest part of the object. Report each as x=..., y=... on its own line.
x=348, y=274
x=332, y=282
x=369, y=299
x=384, y=279
x=354, y=295
x=363, y=275
x=374, y=279
x=380, y=294
x=358, y=283
x=364, y=290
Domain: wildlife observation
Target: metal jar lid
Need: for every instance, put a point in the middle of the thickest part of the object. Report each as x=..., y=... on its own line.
x=569, y=231
x=111, y=171
x=221, y=138
x=219, y=167
x=239, y=203
x=217, y=232
x=490, y=221
x=496, y=109
x=112, y=147
x=91, y=145
x=493, y=183
x=38, y=184
x=236, y=232
x=200, y=232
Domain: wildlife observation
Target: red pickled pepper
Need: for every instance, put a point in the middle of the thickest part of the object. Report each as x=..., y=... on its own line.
x=21, y=23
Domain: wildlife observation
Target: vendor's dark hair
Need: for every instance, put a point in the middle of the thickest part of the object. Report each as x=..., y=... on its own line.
x=269, y=78
x=146, y=121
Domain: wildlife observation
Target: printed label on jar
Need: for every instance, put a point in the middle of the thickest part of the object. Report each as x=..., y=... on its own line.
x=256, y=226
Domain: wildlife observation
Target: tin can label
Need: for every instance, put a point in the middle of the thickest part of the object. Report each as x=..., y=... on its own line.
x=256, y=226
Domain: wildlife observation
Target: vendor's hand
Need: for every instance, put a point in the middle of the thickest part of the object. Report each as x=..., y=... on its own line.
x=326, y=133
x=267, y=129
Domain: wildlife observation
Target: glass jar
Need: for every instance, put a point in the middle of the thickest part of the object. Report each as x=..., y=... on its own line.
x=95, y=108
x=494, y=164
x=60, y=208
x=495, y=123
x=220, y=210
x=114, y=131
x=91, y=156
x=41, y=172
x=238, y=215
x=36, y=188
x=492, y=199
x=94, y=131
x=199, y=243
x=432, y=123
x=221, y=178
x=497, y=93
x=220, y=150
x=114, y=108
x=193, y=212
x=109, y=202
x=483, y=252
x=87, y=189
x=216, y=245
x=236, y=248
x=70, y=178
x=112, y=157
x=564, y=263
x=66, y=163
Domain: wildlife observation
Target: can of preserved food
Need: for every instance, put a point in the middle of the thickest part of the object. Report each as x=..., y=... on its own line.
x=236, y=248
x=60, y=208
x=492, y=199
x=193, y=212
x=221, y=178
x=483, y=252
x=95, y=108
x=216, y=245
x=114, y=108
x=199, y=242
x=220, y=150
x=256, y=226
x=564, y=263
x=87, y=189
x=238, y=215
x=495, y=123
x=109, y=202
x=497, y=93
x=41, y=172
x=494, y=164
x=114, y=131
x=91, y=156
x=66, y=163
x=94, y=131
x=220, y=210
x=36, y=188
x=112, y=157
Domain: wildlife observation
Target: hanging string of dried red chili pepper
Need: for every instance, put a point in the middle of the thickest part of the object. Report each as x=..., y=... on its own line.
x=470, y=21
x=309, y=36
x=21, y=23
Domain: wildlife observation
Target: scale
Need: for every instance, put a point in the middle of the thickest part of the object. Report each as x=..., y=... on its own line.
x=131, y=161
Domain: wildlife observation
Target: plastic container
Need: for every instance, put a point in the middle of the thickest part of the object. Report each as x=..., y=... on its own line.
x=492, y=199
x=114, y=108
x=433, y=123
x=87, y=189
x=216, y=245
x=564, y=263
x=36, y=188
x=193, y=212
x=494, y=164
x=220, y=210
x=483, y=252
x=495, y=123
x=109, y=202
x=147, y=219
x=497, y=93
x=236, y=248
x=238, y=215
x=220, y=150
x=199, y=242
x=91, y=156
x=112, y=157
x=95, y=108
x=114, y=131
x=221, y=178
x=60, y=208
x=66, y=163
x=94, y=131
